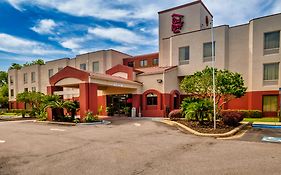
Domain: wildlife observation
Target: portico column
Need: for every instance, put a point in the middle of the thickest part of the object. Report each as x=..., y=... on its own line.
x=50, y=91
x=88, y=98
x=136, y=102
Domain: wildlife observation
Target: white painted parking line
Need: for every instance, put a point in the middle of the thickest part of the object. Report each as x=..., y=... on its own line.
x=137, y=124
x=55, y=129
x=2, y=141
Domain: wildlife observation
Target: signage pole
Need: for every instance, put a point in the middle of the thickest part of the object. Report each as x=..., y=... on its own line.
x=213, y=66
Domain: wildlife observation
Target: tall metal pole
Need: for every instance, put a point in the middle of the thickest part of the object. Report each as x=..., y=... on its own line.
x=213, y=66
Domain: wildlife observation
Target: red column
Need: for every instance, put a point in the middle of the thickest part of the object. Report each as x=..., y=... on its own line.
x=88, y=98
x=50, y=91
x=136, y=102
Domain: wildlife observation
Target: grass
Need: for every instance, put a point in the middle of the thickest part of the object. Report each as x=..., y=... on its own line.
x=9, y=114
x=265, y=119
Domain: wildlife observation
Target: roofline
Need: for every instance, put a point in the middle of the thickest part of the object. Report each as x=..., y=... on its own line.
x=155, y=53
x=57, y=60
x=186, y=5
x=265, y=16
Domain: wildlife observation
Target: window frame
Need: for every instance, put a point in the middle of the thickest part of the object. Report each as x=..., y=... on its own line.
x=157, y=62
x=273, y=50
x=263, y=101
x=154, y=99
x=142, y=63
x=33, y=79
x=208, y=58
x=25, y=78
x=93, y=64
x=185, y=61
x=50, y=72
x=12, y=93
x=83, y=64
x=271, y=81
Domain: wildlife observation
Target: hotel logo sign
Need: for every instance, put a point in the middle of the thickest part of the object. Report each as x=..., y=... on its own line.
x=177, y=23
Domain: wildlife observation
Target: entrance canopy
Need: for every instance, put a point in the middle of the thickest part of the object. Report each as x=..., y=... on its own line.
x=71, y=77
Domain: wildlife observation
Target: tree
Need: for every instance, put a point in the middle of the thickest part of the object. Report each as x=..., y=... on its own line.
x=229, y=85
x=34, y=62
x=3, y=78
x=4, y=96
x=15, y=66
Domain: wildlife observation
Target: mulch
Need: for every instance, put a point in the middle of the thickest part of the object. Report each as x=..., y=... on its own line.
x=207, y=127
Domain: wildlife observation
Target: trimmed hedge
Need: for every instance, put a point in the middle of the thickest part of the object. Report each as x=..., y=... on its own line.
x=175, y=114
x=232, y=118
x=251, y=113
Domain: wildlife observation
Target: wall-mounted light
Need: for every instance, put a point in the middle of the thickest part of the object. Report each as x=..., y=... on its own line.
x=159, y=80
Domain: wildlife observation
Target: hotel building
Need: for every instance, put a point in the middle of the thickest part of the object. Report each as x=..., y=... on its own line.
x=150, y=83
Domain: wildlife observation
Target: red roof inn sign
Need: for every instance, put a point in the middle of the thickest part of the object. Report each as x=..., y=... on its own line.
x=177, y=23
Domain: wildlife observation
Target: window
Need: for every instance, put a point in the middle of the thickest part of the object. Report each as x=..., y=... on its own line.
x=60, y=68
x=25, y=78
x=270, y=103
x=271, y=72
x=12, y=92
x=207, y=51
x=131, y=64
x=96, y=66
x=271, y=42
x=83, y=66
x=33, y=89
x=25, y=89
x=11, y=80
x=143, y=63
x=184, y=55
x=155, y=61
x=50, y=72
x=151, y=99
x=32, y=77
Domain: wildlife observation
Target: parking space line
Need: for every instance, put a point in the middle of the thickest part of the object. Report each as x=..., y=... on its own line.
x=137, y=124
x=55, y=129
x=2, y=141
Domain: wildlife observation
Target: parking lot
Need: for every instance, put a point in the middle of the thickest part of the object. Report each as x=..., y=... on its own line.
x=127, y=147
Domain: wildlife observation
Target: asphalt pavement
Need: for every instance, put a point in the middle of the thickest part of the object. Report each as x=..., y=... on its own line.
x=128, y=147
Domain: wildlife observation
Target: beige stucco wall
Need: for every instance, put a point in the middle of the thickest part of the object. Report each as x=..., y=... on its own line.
x=150, y=82
x=259, y=27
x=171, y=81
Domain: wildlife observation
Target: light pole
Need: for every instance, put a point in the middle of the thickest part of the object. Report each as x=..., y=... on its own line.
x=213, y=66
x=280, y=105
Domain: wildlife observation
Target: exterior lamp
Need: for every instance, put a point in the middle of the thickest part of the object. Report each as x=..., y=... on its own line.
x=159, y=80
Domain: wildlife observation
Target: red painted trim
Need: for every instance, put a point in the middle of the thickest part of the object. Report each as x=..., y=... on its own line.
x=88, y=99
x=173, y=93
x=69, y=72
x=121, y=68
x=252, y=101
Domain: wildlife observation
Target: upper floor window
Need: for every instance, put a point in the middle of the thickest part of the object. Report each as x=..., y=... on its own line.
x=271, y=42
x=25, y=79
x=207, y=51
x=155, y=61
x=11, y=80
x=271, y=73
x=151, y=99
x=131, y=64
x=12, y=92
x=33, y=89
x=32, y=77
x=83, y=66
x=96, y=67
x=60, y=68
x=143, y=63
x=184, y=55
x=50, y=72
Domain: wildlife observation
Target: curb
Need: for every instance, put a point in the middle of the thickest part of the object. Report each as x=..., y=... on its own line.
x=56, y=123
x=227, y=134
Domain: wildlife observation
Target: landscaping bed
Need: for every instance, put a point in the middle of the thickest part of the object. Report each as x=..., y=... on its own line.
x=207, y=127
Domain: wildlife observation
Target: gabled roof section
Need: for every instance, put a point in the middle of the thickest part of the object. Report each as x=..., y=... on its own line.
x=154, y=70
x=69, y=72
x=186, y=5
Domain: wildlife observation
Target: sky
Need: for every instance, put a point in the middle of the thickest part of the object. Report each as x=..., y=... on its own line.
x=53, y=29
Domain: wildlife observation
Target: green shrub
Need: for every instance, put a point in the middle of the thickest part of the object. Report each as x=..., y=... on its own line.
x=91, y=118
x=175, y=114
x=231, y=117
x=197, y=109
x=42, y=116
x=251, y=113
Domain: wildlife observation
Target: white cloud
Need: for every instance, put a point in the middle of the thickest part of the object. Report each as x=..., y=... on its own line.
x=45, y=26
x=16, y=45
x=119, y=35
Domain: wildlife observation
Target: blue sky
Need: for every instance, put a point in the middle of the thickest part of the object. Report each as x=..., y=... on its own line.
x=52, y=29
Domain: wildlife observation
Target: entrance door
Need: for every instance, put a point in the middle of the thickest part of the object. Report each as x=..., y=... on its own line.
x=119, y=105
x=176, y=101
